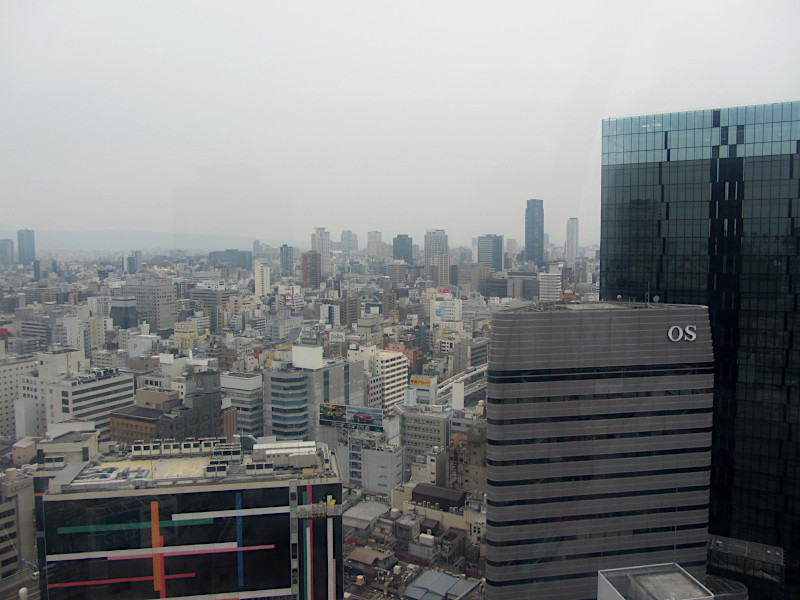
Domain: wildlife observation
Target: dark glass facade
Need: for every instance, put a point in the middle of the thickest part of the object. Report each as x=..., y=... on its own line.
x=235, y=543
x=534, y=231
x=402, y=248
x=704, y=207
x=490, y=251
x=26, y=246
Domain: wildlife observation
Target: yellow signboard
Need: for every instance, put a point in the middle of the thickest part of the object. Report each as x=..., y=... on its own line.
x=425, y=382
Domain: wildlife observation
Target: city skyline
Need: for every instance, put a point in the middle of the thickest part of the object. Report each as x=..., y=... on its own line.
x=230, y=120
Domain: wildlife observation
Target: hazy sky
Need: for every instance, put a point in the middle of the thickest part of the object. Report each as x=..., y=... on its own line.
x=269, y=118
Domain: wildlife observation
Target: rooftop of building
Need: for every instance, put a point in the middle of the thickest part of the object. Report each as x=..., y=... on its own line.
x=139, y=412
x=602, y=305
x=161, y=463
x=652, y=582
x=435, y=585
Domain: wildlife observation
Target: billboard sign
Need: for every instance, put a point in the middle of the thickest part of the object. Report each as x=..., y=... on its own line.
x=338, y=336
x=351, y=417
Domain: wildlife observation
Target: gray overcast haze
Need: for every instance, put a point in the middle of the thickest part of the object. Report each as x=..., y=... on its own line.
x=266, y=119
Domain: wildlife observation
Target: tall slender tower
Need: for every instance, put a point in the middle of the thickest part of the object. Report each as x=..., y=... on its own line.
x=261, y=273
x=311, y=264
x=572, y=241
x=534, y=231
x=702, y=207
x=26, y=245
x=321, y=242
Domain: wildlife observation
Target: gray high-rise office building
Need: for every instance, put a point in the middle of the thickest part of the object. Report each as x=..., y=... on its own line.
x=534, y=231
x=598, y=445
x=435, y=245
x=490, y=251
x=703, y=207
x=403, y=248
x=348, y=242
x=287, y=260
x=571, y=248
x=6, y=253
x=26, y=246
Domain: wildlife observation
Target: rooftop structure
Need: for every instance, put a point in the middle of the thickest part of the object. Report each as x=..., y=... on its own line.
x=653, y=582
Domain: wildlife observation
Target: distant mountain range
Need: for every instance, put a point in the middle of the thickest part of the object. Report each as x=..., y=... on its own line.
x=125, y=240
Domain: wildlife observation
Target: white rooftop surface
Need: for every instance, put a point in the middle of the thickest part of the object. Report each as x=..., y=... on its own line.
x=670, y=585
x=165, y=468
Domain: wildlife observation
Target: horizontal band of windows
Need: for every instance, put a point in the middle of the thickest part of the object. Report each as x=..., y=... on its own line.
x=615, y=372
x=601, y=417
x=572, y=538
x=597, y=476
x=583, y=497
x=596, y=437
x=593, y=397
x=587, y=457
x=594, y=516
x=119, y=381
x=546, y=559
x=567, y=576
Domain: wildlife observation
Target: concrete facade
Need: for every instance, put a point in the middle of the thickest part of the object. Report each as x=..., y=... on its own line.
x=598, y=445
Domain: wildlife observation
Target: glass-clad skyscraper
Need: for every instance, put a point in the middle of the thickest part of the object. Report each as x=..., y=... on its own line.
x=534, y=231
x=703, y=207
x=27, y=246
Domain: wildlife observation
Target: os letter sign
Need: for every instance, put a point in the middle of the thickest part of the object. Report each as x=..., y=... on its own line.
x=676, y=333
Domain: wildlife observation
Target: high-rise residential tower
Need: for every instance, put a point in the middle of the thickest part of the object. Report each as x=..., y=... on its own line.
x=490, y=251
x=311, y=264
x=435, y=245
x=321, y=242
x=702, y=207
x=26, y=246
x=572, y=242
x=261, y=273
x=534, y=231
x=287, y=260
x=403, y=248
x=598, y=445
x=374, y=244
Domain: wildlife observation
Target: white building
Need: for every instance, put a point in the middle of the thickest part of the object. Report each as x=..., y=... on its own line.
x=444, y=308
x=262, y=274
x=572, y=241
x=550, y=286
x=392, y=368
x=64, y=388
x=11, y=369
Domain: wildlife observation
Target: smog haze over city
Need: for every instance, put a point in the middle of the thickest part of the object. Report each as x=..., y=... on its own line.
x=263, y=120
